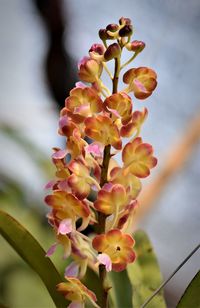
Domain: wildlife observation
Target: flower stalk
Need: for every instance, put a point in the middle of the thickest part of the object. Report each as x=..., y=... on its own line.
x=94, y=121
x=104, y=172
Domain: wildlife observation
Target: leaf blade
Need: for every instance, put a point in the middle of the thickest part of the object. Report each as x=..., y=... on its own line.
x=144, y=273
x=32, y=253
x=190, y=297
x=121, y=289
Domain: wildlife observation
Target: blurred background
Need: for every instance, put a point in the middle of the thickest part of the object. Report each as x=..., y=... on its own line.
x=41, y=42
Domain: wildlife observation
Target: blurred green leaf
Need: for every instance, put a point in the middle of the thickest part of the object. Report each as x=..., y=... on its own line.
x=2, y=306
x=32, y=253
x=191, y=296
x=121, y=291
x=31, y=149
x=144, y=273
x=92, y=282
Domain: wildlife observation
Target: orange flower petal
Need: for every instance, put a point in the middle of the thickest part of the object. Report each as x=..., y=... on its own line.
x=101, y=128
x=108, y=201
x=89, y=70
x=118, y=246
x=83, y=102
x=138, y=158
x=138, y=118
x=100, y=242
x=121, y=103
x=66, y=202
x=141, y=80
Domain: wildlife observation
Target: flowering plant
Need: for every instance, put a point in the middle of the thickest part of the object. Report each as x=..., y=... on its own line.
x=90, y=188
x=93, y=198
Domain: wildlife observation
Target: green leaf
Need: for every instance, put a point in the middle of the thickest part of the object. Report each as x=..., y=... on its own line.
x=92, y=282
x=144, y=273
x=32, y=149
x=33, y=254
x=2, y=306
x=121, y=291
x=191, y=296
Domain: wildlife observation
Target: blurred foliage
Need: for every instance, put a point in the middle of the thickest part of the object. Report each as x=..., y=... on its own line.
x=191, y=296
x=144, y=273
x=121, y=289
x=19, y=285
x=32, y=253
x=41, y=160
x=92, y=282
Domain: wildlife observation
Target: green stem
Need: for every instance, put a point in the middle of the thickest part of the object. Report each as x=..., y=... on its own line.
x=129, y=61
x=116, y=75
x=104, y=172
x=107, y=70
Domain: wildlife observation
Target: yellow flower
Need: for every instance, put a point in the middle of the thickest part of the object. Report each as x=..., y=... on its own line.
x=118, y=246
x=141, y=81
x=138, y=158
x=76, y=292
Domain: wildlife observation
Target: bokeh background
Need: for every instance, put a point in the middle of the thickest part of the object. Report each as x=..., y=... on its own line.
x=40, y=45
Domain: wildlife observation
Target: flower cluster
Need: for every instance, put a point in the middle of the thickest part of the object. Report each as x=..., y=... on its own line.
x=90, y=187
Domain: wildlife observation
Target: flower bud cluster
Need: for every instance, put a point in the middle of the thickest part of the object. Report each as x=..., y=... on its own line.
x=90, y=187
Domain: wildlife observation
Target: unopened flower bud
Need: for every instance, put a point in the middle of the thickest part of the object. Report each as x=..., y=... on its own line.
x=104, y=35
x=97, y=48
x=96, y=52
x=136, y=46
x=112, y=27
x=127, y=30
x=124, y=21
x=113, y=51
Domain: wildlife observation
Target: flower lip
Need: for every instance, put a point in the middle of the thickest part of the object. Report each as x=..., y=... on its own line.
x=104, y=259
x=65, y=226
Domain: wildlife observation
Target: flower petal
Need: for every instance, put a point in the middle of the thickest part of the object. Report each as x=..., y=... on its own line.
x=72, y=269
x=102, y=129
x=141, y=80
x=51, y=250
x=65, y=226
x=104, y=259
